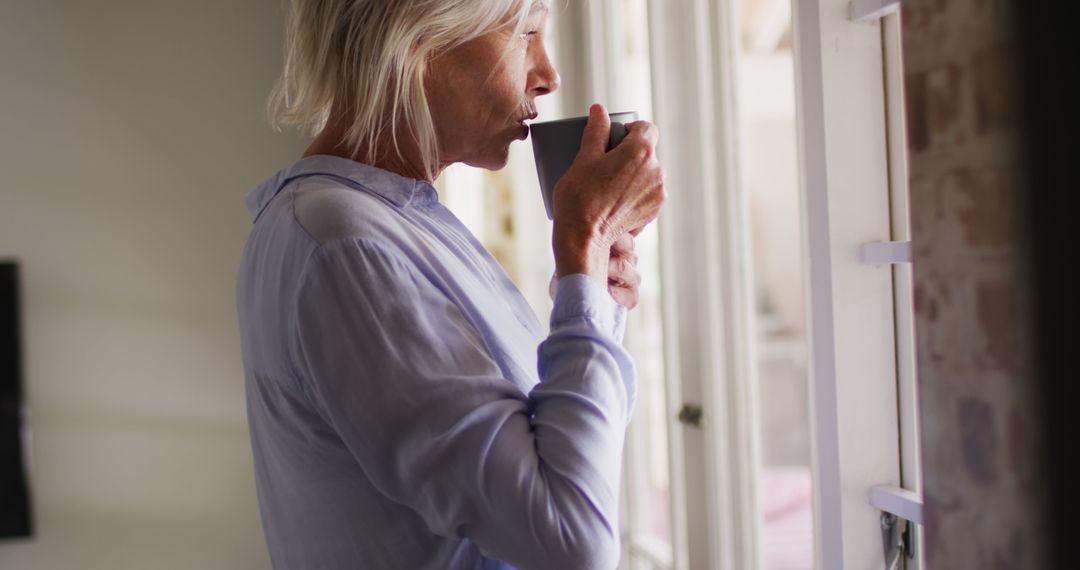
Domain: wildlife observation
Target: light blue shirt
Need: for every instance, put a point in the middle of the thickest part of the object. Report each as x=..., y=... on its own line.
x=406, y=410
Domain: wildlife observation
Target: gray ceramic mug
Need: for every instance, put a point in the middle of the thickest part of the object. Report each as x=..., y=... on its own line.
x=556, y=144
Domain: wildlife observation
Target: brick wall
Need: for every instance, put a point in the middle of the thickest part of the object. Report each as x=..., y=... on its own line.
x=982, y=454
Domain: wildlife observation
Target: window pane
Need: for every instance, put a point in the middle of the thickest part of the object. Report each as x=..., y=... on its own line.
x=768, y=168
x=648, y=462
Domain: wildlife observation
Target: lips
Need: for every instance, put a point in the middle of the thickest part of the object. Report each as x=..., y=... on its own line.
x=523, y=123
x=524, y=120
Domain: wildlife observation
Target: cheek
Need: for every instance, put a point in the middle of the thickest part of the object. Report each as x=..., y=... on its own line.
x=504, y=91
x=454, y=109
x=444, y=115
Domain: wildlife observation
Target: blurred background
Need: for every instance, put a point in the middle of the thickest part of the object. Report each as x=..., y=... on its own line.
x=129, y=133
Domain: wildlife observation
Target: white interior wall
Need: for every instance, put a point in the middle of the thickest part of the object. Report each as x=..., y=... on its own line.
x=129, y=133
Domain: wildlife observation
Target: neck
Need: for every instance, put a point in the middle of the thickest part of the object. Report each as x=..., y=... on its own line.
x=331, y=141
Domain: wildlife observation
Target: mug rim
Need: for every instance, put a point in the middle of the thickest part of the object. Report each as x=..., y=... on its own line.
x=569, y=119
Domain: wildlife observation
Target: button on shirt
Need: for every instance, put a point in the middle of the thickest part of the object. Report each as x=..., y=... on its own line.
x=406, y=410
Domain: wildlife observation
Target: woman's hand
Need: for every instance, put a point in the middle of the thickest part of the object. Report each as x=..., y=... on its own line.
x=623, y=277
x=605, y=196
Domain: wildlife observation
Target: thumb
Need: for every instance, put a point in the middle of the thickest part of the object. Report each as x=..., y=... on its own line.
x=595, y=139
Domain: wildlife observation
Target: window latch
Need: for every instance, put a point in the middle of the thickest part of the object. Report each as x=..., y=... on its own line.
x=896, y=540
x=901, y=510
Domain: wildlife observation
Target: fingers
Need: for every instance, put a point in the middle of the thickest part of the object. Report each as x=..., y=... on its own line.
x=644, y=129
x=639, y=145
x=624, y=296
x=595, y=139
x=624, y=282
x=639, y=171
x=623, y=246
x=622, y=271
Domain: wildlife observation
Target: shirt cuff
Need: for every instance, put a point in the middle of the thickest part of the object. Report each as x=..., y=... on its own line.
x=620, y=322
x=580, y=296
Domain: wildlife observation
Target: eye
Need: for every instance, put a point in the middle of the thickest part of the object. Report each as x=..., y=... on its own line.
x=530, y=35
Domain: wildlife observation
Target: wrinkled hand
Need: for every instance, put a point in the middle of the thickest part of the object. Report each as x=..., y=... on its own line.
x=605, y=195
x=623, y=277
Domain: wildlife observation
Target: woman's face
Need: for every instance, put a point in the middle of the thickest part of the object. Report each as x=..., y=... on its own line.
x=482, y=92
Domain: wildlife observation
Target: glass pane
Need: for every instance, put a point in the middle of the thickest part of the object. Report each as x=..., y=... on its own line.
x=769, y=178
x=647, y=465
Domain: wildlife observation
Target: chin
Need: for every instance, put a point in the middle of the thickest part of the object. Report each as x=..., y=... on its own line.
x=494, y=161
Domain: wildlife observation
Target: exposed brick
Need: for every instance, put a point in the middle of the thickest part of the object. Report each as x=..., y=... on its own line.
x=986, y=207
x=995, y=311
x=943, y=98
x=994, y=86
x=978, y=440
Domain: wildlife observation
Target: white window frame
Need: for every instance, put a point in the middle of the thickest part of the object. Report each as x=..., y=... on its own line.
x=903, y=279
x=845, y=182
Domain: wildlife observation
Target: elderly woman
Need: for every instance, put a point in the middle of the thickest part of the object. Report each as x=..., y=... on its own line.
x=406, y=409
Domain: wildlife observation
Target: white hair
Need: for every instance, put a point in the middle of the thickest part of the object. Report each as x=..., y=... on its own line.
x=370, y=57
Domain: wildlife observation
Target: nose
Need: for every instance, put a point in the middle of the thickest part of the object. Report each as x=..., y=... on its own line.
x=543, y=78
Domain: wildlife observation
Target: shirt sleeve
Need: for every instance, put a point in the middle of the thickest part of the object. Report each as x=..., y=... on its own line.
x=407, y=382
x=618, y=328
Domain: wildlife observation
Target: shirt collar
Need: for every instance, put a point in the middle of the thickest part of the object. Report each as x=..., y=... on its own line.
x=396, y=189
